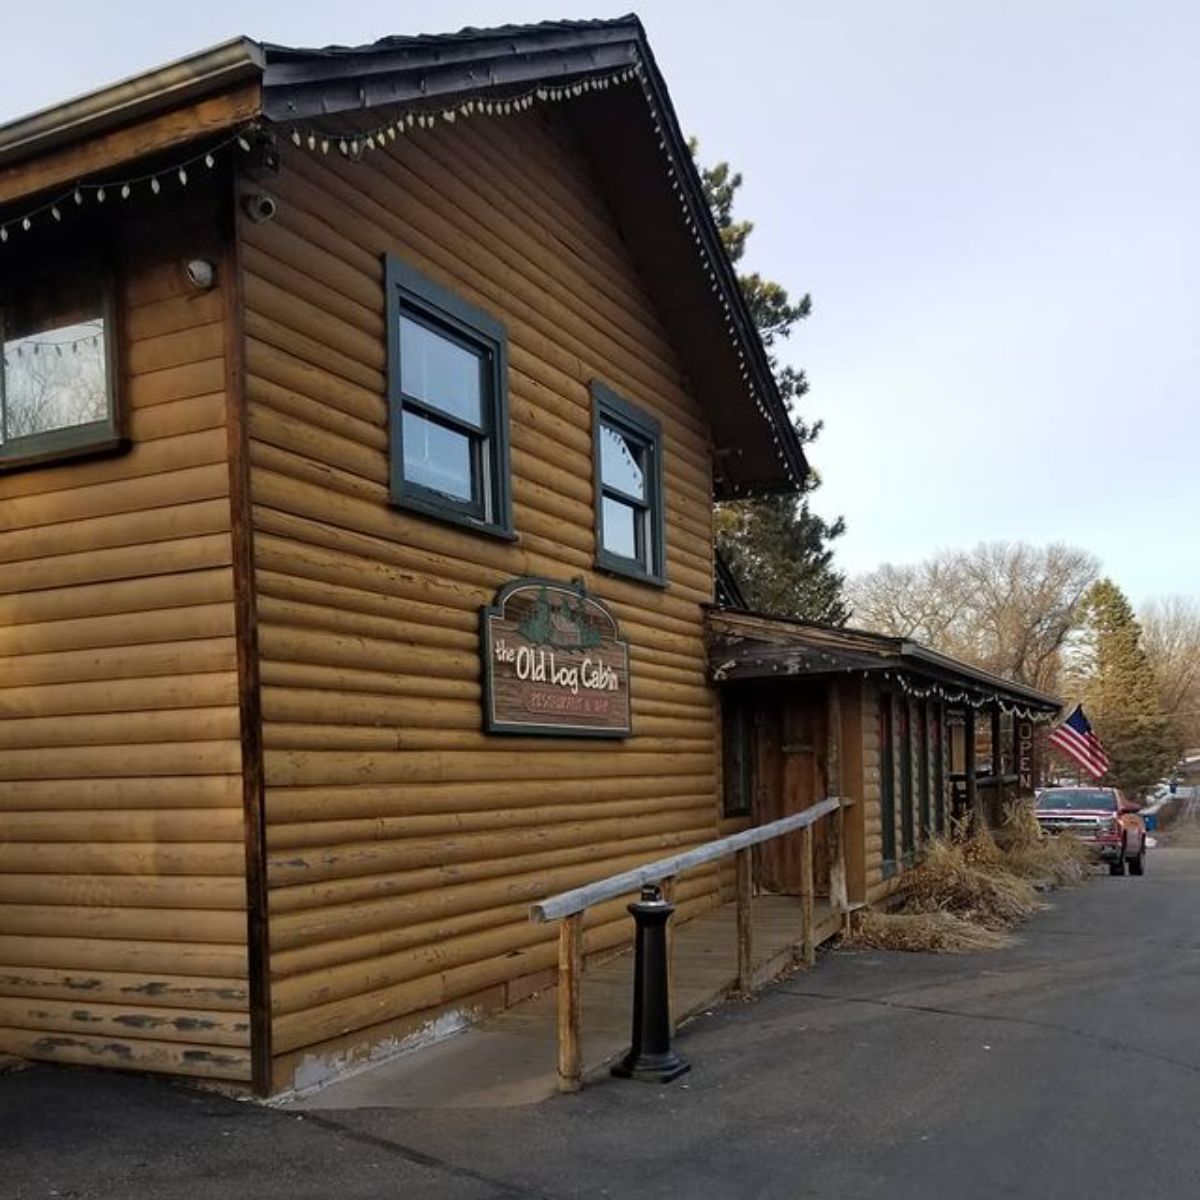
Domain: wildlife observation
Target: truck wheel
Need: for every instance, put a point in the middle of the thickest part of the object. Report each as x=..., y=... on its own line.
x=1137, y=866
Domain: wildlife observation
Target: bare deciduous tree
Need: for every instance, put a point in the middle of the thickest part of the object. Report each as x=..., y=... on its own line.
x=1171, y=639
x=1007, y=608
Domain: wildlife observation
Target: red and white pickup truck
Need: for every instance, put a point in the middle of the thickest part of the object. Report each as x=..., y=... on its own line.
x=1102, y=818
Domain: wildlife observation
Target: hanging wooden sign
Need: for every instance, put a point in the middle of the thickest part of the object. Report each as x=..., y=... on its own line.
x=554, y=663
x=1024, y=740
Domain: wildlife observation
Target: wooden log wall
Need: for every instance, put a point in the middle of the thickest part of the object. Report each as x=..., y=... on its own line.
x=872, y=759
x=122, y=862
x=879, y=886
x=404, y=845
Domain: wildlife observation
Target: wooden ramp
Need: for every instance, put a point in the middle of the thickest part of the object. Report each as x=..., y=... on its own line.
x=510, y=1059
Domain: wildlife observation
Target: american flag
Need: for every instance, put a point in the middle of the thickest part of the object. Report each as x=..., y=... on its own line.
x=1074, y=737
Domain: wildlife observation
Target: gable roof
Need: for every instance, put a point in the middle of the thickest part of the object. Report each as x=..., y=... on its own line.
x=646, y=176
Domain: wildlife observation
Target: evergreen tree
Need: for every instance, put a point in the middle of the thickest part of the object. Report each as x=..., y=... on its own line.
x=777, y=548
x=1120, y=692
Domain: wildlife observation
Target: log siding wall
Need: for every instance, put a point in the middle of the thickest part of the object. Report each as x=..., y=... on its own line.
x=122, y=867
x=404, y=846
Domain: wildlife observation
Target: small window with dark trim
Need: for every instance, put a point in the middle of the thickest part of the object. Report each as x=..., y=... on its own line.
x=58, y=394
x=737, y=754
x=627, y=451
x=447, y=404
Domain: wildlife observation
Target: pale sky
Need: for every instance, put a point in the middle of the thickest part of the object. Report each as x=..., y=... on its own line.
x=996, y=208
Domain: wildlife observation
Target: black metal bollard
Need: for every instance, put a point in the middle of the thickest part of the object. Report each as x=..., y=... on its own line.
x=651, y=1056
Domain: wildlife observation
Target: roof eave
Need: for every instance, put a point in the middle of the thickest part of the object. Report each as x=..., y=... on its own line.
x=166, y=87
x=876, y=653
x=761, y=376
x=910, y=650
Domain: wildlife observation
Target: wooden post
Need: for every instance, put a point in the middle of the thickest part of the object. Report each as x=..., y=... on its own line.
x=667, y=887
x=836, y=843
x=939, y=769
x=973, y=806
x=838, y=899
x=570, y=1009
x=997, y=767
x=808, y=948
x=744, y=860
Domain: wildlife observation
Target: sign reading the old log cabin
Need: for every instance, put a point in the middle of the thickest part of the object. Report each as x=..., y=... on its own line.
x=554, y=663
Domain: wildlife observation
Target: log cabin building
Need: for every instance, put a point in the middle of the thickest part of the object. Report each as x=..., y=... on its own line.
x=361, y=416
x=915, y=738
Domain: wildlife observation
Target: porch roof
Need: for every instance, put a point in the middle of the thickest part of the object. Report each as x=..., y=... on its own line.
x=744, y=645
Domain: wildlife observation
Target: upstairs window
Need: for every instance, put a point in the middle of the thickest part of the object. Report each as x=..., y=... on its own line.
x=628, y=486
x=448, y=411
x=57, y=375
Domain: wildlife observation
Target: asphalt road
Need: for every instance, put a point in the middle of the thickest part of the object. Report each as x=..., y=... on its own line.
x=1066, y=1066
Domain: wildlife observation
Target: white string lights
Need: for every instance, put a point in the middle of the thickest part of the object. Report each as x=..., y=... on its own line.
x=81, y=193
x=353, y=145
x=693, y=227
x=34, y=347
x=972, y=699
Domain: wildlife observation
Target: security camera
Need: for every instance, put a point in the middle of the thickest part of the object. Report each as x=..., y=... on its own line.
x=259, y=207
x=201, y=274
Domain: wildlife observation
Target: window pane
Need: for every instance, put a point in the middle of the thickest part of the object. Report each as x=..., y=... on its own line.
x=620, y=528
x=438, y=458
x=440, y=372
x=55, y=372
x=622, y=462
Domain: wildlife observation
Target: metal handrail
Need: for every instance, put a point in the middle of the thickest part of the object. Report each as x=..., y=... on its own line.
x=578, y=899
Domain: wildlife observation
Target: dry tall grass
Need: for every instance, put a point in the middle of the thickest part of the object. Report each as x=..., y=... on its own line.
x=972, y=886
x=963, y=878
x=940, y=932
x=1031, y=854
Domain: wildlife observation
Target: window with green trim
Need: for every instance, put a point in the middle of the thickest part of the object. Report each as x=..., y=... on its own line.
x=58, y=394
x=627, y=451
x=448, y=404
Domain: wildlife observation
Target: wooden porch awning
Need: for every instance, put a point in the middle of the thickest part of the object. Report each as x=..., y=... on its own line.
x=748, y=646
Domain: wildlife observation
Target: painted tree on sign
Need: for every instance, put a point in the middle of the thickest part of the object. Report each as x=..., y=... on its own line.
x=778, y=549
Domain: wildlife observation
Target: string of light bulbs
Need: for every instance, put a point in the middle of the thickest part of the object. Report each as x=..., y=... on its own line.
x=121, y=189
x=353, y=145
x=972, y=699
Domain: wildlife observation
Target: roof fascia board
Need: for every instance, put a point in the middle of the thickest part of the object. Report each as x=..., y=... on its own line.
x=300, y=98
x=760, y=375
x=884, y=652
x=931, y=658
x=300, y=85
x=138, y=96
x=287, y=65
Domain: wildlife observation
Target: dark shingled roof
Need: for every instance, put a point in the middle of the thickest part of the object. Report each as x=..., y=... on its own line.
x=629, y=134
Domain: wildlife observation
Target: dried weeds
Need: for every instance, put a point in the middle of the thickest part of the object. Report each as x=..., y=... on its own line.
x=970, y=881
x=937, y=932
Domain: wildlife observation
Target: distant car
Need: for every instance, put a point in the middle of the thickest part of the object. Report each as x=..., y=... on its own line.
x=1102, y=818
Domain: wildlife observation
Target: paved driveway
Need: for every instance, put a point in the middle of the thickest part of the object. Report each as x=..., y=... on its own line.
x=1066, y=1066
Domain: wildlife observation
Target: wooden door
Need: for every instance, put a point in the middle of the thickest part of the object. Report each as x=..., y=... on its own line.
x=794, y=779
